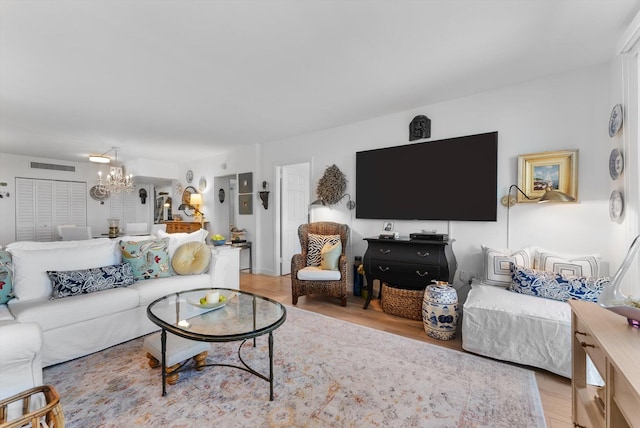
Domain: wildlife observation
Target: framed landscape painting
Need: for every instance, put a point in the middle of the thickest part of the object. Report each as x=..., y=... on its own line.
x=556, y=170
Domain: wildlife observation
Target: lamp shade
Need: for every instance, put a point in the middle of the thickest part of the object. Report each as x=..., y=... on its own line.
x=195, y=199
x=556, y=196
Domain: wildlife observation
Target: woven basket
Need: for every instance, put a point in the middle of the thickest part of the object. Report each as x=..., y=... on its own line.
x=402, y=303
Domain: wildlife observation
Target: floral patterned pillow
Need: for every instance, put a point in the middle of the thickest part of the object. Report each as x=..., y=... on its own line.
x=85, y=281
x=6, y=275
x=556, y=286
x=148, y=259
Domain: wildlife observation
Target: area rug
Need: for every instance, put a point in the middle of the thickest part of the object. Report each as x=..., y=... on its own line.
x=328, y=373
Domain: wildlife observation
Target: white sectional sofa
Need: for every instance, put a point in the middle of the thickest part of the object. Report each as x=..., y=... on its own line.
x=78, y=325
x=526, y=328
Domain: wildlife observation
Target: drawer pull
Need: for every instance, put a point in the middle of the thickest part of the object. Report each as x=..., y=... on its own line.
x=383, y=269
x=383, y=251
x=587, y=345
x=425, y=254
x=577, y=425
x=422, y=274
x=580, y=332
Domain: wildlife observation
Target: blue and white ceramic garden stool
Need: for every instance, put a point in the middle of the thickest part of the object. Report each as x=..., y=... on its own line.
x=440, y=310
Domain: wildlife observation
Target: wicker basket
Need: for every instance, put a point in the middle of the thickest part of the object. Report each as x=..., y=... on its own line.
x=50, y=415
x=401, y=302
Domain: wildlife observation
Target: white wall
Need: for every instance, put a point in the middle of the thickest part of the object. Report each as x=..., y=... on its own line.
x=568, y=111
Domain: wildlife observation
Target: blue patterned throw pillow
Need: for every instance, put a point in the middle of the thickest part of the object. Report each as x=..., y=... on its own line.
x=551, y=285
x=148, y=259
x=85, y=281
x=6, y=277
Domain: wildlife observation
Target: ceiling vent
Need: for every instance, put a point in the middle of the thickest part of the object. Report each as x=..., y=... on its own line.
x=41, y=165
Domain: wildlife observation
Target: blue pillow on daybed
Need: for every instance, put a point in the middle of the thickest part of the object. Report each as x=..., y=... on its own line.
x=551, y=285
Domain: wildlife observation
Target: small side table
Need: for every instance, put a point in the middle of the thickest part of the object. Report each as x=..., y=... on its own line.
x=245, y=246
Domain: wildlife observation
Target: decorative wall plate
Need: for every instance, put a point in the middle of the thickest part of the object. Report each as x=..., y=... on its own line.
x=616, y=164
x=615, y=121
x=202, y=184
x=189, y=176
x=179, y=188
x=99, y=193
x=616, y=206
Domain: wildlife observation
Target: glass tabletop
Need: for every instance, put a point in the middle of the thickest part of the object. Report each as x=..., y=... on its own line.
x=243, y=315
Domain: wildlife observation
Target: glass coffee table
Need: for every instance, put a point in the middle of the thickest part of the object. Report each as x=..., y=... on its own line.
x=242, y=317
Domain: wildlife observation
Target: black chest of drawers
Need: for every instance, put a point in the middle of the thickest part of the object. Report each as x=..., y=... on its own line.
x=408, y=264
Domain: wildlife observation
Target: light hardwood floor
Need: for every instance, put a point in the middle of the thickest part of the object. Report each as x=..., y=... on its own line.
x=555, y=391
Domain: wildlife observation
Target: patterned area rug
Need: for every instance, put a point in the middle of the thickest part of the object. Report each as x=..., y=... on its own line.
x=327, y=373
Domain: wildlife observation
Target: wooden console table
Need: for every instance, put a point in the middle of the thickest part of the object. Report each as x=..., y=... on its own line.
x=182, y=226
x=407, y=264
x=614, y=348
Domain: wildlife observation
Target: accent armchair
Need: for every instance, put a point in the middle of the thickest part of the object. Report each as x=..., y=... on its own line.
x=311, y=278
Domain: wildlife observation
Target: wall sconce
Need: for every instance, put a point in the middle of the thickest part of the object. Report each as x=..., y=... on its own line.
x=549, y=195
x=264, y=195
x=4, y=194
x=350, y=203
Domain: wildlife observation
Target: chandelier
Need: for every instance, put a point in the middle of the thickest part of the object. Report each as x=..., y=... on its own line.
x=116, y=181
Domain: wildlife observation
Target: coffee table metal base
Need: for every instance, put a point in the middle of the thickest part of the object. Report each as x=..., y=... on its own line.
x=245, y=366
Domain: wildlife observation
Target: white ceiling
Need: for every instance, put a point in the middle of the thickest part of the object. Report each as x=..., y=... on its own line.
x=176, y=80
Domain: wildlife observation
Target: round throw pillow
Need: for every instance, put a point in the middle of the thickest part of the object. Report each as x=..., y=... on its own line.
x=191, y=258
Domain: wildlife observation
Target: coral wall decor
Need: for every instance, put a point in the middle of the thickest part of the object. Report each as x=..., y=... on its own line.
x=332, y=185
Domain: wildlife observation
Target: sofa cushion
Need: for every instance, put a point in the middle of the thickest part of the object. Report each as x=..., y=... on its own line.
x=315, y=273
x=556, y=286
x=52, y=314
x=52, y=245
x=154, y=289
x=192, y=258
x=314, y=248
x=329, y=255
x=177, y=239
x=582, y=265
x=30, y=266
x=85, y=281
x=148, y=259
x=497, y=264
x=6, y=277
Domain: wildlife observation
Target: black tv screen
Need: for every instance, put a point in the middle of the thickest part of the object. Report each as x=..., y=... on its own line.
x=452, y=179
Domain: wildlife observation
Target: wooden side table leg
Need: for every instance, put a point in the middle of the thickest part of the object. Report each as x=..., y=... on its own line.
x=201, y=360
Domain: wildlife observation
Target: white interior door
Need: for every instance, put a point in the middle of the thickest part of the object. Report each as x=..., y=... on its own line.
x=295, y=203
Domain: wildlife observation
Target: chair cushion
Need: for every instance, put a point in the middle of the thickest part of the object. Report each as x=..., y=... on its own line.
x=192, y=258
x=314, y=248
x=148, y=259
x=330, y=254
x=556, y=286
x=314, y=273
x=85, y=281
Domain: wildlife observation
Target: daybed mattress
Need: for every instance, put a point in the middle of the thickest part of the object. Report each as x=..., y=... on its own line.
x=527, y=330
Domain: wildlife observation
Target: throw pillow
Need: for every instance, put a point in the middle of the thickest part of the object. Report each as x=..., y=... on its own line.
x=314, y=248
x=148, y=259
x=192, y=258
x=587, y=265
x=497, y=264
x=552, y=285
x=177, y=239
x=6, y=277
x=85, y=281
x=329, y=255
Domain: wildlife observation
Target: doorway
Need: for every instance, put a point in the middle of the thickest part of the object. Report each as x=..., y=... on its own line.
x=293, y=194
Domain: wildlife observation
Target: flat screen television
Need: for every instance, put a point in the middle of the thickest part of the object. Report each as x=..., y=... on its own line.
x=451, y=179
